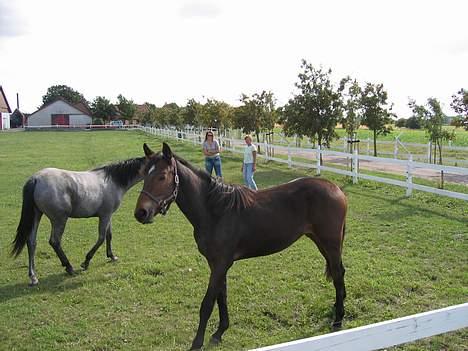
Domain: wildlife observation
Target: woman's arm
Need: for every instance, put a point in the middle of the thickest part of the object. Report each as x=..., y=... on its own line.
x=254, y=155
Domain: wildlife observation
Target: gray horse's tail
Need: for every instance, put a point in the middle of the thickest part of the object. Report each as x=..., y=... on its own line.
x=26, y=223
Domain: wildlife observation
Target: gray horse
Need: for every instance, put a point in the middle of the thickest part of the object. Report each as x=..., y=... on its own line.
x=60, y=194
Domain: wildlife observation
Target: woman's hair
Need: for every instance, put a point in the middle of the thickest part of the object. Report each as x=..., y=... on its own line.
x=208, y=133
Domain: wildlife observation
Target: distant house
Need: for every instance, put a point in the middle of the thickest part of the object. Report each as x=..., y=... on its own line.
x=60, y=113
x=5, y=111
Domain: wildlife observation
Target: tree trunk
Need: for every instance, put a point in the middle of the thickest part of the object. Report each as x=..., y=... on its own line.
x=440, y=152
x=375, y=143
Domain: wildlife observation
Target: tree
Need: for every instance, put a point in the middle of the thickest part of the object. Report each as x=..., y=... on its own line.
x=413, y=123
x=433, y=118
x=376, y=113
x=315, y=111
x=256, y=114
x=351, y=95
x=401, y=123
x=191, y=113
x=146, y=114
x=460, y=105
x=65, y=92
x=102, y=108
x=126, y=107
x=216, y=114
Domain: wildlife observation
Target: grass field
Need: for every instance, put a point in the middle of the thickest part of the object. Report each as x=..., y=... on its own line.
x=402, y=255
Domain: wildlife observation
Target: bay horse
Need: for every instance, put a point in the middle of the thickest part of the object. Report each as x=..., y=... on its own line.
x=232, y=222
x=61, y=194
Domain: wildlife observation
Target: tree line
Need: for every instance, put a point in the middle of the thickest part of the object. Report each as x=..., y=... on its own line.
x=317, y=106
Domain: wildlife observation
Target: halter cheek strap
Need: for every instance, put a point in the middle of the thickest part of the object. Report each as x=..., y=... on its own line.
x=165, y=203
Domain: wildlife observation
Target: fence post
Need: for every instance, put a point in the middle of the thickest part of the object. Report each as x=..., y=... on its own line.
x=289, y=157
x=318, y=153
x=395, y=149
x=429, y=146
x=265, y=147
x=355, y=167
x=345, y=142
x=409, y=176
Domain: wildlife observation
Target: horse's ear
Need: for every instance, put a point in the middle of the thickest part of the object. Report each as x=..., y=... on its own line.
x=148, y=151
x=167, y=153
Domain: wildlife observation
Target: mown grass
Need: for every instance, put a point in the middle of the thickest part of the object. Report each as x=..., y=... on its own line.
x=402, y=255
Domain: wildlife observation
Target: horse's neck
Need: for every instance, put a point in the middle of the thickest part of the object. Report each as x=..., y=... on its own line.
x=191, y=196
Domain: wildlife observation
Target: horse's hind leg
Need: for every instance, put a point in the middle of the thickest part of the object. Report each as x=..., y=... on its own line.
x=331, y=251
x=104, y=223
x=58, y=227
x=337, y=272
x=109, y=243
x=31, y=243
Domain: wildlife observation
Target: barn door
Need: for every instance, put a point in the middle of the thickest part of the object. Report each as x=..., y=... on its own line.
x=61, y=120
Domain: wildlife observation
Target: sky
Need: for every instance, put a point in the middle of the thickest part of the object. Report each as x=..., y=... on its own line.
x=171, y=51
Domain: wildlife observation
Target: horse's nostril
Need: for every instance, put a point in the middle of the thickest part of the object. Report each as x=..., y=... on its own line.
x=141, y=214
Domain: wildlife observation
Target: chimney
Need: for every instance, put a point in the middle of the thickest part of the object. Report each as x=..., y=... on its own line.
x=17, y=101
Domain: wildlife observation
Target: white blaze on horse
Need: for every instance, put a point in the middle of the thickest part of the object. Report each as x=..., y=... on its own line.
x=61, y=194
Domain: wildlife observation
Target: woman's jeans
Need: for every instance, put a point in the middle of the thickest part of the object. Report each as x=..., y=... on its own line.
x=248, y=176
x=213, y=162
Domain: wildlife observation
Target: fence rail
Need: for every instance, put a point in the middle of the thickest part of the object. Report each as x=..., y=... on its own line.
x=384, y=334
x=313, y=157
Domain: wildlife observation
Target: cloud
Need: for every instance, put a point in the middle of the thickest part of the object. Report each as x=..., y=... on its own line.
x=203, y=9
x=11, y=24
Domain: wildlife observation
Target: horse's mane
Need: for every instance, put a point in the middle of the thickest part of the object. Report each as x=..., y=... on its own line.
x=222, y=197
x=123, y=172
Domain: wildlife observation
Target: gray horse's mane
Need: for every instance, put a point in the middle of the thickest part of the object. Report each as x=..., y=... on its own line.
x=124, y=172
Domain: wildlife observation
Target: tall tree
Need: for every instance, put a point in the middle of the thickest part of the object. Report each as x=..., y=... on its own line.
x=146, y=113
x=256, y=114
x=316, y=109
x=191, y=113
x=102, y=108
x=460, y=105
x=376, y=111
x=126, y=107
x=351, y=94
x=216, y=114
x=63, y=91
x=433, y=118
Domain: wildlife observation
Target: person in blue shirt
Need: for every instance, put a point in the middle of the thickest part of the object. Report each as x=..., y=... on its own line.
x=211, y=150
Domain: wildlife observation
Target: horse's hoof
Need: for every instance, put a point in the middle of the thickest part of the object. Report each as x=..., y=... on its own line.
x=114, y=258
x=70, y=270
x=196, y=348
x=34, y=281
x=336, y=326
x=214, y=341
x=84, y=265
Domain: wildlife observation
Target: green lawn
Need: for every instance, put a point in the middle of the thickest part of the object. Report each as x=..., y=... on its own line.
x=402, y=255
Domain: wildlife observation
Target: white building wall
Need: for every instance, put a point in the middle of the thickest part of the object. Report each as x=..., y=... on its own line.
x=44, y=116
x=5, y=120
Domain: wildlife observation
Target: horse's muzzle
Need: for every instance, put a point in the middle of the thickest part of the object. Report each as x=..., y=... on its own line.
x=143, y=216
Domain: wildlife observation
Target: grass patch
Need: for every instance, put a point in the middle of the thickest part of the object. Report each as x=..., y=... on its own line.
x=402, y=255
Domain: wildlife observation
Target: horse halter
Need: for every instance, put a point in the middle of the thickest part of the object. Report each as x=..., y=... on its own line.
x=165, y=203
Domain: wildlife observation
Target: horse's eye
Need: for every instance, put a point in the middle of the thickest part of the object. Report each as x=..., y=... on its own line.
x=162, y=177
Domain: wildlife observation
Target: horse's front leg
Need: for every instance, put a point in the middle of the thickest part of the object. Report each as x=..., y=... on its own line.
x=109, y=242
x=215, y=286
x=223, y=315
x=103, y=225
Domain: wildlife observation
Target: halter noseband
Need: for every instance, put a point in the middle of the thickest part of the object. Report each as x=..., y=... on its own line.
x=165, y=203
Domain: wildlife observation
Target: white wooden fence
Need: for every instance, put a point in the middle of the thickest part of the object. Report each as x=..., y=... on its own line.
x=310, y=158
x=384, y=334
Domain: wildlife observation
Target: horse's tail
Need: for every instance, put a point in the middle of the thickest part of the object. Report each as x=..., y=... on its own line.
x=26, y=223
x=327, y=266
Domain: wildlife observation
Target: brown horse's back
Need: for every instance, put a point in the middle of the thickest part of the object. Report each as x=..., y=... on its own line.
x=282, y=214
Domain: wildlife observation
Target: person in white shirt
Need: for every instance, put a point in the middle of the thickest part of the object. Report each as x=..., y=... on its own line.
x=249, y=164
